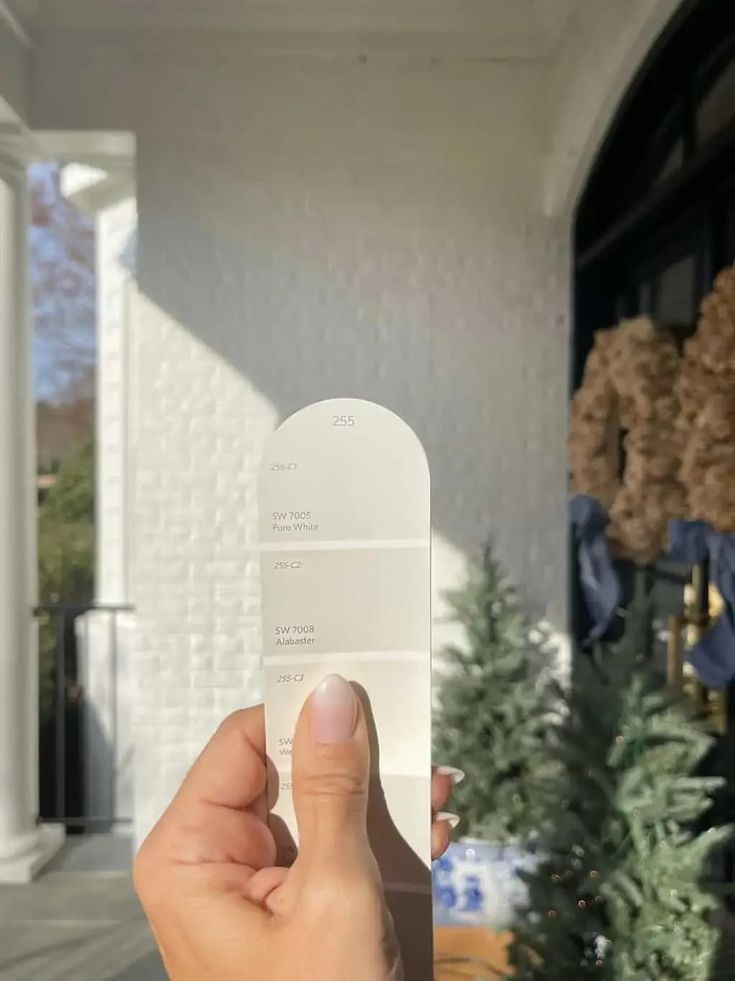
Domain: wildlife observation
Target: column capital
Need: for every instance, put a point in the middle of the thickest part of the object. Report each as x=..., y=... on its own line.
x=16, y=149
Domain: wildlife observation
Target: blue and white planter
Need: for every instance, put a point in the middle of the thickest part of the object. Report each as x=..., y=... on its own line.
x=478, y=884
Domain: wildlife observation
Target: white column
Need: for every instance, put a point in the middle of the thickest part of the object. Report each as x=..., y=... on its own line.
x=103, y=637
x=106, y=665
x=24, y=847
x=116, y=224
x=109, y=195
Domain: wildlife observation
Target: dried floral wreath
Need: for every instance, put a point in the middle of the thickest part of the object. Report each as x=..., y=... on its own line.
x=628, y=403
x=706, y=424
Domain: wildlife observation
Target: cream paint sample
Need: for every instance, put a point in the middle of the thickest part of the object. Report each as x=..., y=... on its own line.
x=344, y=517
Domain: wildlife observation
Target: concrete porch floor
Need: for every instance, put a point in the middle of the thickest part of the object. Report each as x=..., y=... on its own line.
x=80, y=920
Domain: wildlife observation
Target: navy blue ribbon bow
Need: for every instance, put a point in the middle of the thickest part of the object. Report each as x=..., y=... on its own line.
x=598, y=578
x=713, y=657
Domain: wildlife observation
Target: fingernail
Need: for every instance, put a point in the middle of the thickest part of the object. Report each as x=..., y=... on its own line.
x=455, y=775
x=334, y=709
x=451, y=819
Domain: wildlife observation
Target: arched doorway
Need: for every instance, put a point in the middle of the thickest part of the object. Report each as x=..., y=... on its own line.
x=654, y=225
x=656, y=220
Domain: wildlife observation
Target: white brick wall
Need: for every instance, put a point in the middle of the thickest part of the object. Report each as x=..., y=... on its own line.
x=312, y=227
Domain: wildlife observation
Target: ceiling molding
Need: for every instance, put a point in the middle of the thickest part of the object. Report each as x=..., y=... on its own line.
x=15, y=22
x=16, y=146
x=495, y=28
x=110, y=151
x=315, y=44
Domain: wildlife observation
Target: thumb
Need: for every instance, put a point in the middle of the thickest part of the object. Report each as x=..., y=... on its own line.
x=330, y=772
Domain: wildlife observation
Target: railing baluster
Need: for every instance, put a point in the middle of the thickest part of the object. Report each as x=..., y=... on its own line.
x=113, y=712
x=63, y=616
x=60, y=713
x=83, y=721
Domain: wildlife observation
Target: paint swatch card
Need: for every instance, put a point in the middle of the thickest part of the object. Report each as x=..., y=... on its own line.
x=344, y=518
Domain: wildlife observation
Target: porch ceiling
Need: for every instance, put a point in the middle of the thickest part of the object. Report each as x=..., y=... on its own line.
x=521, y=28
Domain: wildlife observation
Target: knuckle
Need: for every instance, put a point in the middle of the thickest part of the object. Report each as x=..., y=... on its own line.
x=333, y=784
x=231, y=723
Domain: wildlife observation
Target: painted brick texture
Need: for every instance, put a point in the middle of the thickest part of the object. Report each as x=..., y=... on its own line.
x=322, y=226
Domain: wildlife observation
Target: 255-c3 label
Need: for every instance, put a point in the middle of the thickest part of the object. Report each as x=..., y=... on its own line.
x=287, y=679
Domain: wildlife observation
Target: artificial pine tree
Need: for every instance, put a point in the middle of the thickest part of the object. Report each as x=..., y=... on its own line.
x=621, y=892
x=495, y=706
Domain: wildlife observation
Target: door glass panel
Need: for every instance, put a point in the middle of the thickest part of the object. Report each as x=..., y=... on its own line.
x=645, y=298
x=717, y=107
x=671, y=163
x=676, y=292
x=729, y=237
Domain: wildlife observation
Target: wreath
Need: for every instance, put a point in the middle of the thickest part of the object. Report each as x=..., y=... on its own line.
x=706, y=391
x=627, y=408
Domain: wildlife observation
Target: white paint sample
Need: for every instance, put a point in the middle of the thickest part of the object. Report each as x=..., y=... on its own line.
x=398, y=685
x=350, y=479
x=311, y=585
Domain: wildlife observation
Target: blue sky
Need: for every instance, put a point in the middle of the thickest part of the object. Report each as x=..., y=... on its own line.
x=61, y=257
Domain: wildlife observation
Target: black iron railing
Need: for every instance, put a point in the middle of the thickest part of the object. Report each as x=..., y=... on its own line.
x=67, y=741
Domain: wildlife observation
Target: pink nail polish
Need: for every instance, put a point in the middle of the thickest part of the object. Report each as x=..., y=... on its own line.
x=334, y=710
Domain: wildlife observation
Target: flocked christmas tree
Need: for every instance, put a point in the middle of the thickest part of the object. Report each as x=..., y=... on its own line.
x=621, y=893
x=496, y=703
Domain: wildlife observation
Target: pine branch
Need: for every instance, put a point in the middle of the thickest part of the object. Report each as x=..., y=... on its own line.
x=622, y=892
x=494, y=711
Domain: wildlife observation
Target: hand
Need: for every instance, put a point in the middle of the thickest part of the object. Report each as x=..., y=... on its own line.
x=218, y=905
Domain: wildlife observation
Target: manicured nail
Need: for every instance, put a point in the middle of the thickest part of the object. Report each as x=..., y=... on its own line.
x=451, y=819
x=454, y=774
x=334, y=709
